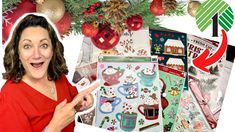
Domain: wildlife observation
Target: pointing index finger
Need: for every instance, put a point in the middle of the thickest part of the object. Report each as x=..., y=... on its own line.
x=91, y=87
x=80, y=97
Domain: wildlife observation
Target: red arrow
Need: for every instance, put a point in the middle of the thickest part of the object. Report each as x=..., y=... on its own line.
x=203, y=60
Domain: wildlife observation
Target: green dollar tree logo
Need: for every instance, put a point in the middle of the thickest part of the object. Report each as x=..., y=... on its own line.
x=214, y=12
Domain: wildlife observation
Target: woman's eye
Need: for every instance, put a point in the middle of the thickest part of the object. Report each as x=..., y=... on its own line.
x=26, y=46
x=44, y=46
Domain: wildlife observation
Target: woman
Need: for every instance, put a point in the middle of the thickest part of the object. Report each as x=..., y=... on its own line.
x=37, y=95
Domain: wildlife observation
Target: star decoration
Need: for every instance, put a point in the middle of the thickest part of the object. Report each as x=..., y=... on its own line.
x=142, y=96
x=178, y=83
x=87, y=120
x=171, y=113
x=174, y=102
x=155, y=88
x=141, y=122
x=113, y=121
x=162, y=39
x=129, y=66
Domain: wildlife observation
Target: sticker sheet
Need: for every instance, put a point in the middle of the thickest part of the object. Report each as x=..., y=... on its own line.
x=206, y=86
x=190, y=117
x=129, y=97
x=171, y=48
x=133, y=43
x=172, y=85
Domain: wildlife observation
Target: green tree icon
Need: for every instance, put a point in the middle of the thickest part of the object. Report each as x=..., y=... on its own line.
x=214, y=12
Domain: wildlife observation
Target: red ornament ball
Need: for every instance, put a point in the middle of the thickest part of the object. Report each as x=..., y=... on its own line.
x=89, y=29
x=64, y=24
x=106, y=38
x=10, y=17
x=27, y=5
x=134, y=23
x=156, y=8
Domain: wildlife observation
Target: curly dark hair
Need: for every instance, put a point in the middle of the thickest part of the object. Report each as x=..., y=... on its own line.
x=12, y=63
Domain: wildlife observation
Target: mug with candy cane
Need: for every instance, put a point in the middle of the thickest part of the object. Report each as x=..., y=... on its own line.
x=130, y=91
x=127, y=118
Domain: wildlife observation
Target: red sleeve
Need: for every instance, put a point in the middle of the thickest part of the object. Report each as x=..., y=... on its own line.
x=72, y=89
x=12, y=118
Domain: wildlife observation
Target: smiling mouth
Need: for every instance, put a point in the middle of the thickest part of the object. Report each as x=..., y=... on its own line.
x=37, y=65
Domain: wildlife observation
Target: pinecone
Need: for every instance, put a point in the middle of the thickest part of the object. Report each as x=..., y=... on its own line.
x=118, y=27
x=115, y=9
x=169, y=5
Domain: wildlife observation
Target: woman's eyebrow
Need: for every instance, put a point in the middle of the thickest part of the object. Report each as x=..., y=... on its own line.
x=26, y=40
x=44, y=39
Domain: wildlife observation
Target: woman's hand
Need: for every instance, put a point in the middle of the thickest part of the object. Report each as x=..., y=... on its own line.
x=65, y=112
x=87, y=103
x=63, y=115
x=87, y=98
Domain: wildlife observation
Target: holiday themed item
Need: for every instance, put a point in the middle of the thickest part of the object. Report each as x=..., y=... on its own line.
x=208, y=88
x=114, y=12
x=171, y=84
x=133, y=43
x=189, y=115
x=53, y=9
x=90, y=29
x=88, y=117
x=156, y=8
x=171, y=48
x=39, y=1
x=128, y=107
x=64, y=24
x=85, y=75
x=134, y=23
x=167, y=8
x=11, y=15
x=106, y=38
x=169, y=5
x=119, y=14
x=192, y=7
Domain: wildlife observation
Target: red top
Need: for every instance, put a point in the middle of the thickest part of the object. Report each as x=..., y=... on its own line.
x=23, y=109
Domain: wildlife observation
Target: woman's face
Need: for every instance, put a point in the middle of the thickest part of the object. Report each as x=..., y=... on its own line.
x=35, y=52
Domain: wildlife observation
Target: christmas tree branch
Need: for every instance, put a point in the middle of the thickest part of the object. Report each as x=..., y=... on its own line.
x=77, y=7
x=179, y=11
x=7, y=4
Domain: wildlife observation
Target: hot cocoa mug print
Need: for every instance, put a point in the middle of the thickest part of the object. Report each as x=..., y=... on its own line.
x=147, y=77
x=107, y=105
x=150, y=112
x=130, y=91
x=111, y=75
x=127, y=120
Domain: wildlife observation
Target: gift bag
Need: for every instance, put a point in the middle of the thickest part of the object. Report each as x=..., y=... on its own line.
x=171, y=84
x=129, y=98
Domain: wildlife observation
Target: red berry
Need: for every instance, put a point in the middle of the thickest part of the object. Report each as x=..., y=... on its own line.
x=97, y=4
x=85, y=13
x=92, y=7
x=100, y=17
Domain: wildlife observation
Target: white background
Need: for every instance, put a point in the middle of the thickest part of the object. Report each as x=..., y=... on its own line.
x=185, y=24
